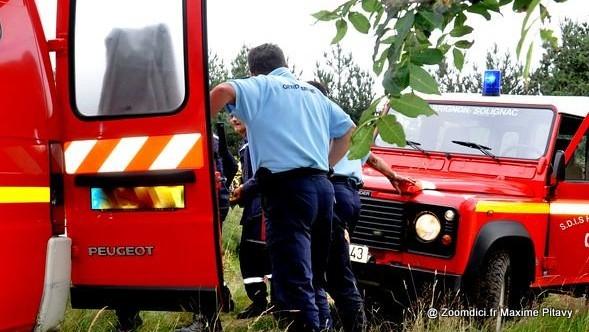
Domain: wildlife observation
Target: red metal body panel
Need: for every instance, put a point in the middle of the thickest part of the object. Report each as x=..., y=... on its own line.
x=187, y=252
x=27, y=111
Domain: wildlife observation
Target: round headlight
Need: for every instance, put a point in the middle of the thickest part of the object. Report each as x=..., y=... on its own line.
x=427, y=227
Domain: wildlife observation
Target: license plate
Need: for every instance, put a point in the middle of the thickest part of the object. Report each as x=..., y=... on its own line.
x=359, y=253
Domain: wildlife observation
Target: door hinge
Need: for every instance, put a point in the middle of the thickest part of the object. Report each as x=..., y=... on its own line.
x=57, y=45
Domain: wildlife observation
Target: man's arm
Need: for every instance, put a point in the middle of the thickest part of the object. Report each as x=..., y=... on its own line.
x=339, y=147
x=222, y=94
x=380, y=165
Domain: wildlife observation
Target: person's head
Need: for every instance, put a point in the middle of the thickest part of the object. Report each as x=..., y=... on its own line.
x=264, y=59
x=237, y=125
x=319, y=87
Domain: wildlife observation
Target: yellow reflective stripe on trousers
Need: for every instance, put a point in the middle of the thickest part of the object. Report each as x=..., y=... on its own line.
x=24, y=195
x=512, y=207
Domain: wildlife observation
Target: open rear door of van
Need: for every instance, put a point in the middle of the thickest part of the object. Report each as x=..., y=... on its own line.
x=139, y=186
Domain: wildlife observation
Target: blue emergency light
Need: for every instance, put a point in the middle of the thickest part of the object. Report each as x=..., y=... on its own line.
x=492, y=83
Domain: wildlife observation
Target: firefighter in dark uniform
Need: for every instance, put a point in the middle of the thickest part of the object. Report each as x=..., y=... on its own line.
x=253, y=256
x=290, y=126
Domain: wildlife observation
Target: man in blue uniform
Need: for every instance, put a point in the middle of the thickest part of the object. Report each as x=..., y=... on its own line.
x=290, y=125
x=341, y=282
x=253, y=256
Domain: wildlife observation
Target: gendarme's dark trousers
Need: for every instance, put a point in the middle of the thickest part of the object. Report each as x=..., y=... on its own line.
x=299, y=210
x=341, y=282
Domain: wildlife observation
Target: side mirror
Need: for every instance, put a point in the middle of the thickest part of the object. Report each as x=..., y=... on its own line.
x=558, y=167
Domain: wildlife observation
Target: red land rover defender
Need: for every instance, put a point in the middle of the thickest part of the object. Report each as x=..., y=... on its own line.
x=502, y=204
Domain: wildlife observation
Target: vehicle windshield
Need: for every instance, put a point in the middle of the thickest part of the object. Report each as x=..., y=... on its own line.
x=501, y=131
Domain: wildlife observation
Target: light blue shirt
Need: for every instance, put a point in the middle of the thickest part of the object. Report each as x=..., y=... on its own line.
x=351, y=168
x=289, y=123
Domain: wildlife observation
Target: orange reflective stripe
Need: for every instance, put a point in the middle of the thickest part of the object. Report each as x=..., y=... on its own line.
x=148, y=153
x=97, y=156
x=138, y=153
x=194, y=158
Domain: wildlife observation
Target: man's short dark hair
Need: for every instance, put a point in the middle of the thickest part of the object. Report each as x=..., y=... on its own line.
x=319, y=87
x=265, y=58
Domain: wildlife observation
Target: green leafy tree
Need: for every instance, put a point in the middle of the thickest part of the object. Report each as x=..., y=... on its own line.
x=239, y=67
x=564, y=69
x=404, y=46
x=218, y=72
x=349, y=86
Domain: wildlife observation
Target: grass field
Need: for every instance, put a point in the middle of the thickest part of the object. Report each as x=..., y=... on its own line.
x=104, y=320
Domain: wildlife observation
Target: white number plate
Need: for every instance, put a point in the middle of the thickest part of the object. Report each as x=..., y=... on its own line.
x=359, y=253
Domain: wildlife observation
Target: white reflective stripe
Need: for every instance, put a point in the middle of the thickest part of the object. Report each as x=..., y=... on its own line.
x=175, y=151
x=252, y=280
x=76, y=153
x=123, y=153
x=569, y=208
x=269, y=276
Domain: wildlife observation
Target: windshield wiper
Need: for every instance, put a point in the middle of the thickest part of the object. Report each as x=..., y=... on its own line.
x=416, y=146
x=484, y=149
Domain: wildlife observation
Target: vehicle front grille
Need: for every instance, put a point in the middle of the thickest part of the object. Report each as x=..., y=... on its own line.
x=381, y=224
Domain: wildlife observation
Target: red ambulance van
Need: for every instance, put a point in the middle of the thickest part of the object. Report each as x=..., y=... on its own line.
x=116, y=148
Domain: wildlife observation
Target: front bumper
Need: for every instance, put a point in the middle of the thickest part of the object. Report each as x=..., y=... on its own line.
x=404, y=282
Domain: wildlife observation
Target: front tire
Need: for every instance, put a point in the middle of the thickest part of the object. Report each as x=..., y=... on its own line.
x=499, y=286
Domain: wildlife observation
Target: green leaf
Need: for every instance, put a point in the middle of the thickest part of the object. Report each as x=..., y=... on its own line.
x=359, y=21
x=521, y=5
x=342, y=28
x=492, y=5
x=458, y=58
x=391, y=131
x=361, y=141
x=428, y=56
x=379, y=64
x=459, y=20
x=444, y=48
x=526, y=73
x=521, y=41
x=429, y=19
x=404, y=24
x=441, y=40
x=461, y=31
x=547, y=36
x=396, y=80
x=544, y=14
x=325, y=15
x=422, y=81
x=479, y=9
x=369, y=113
x=346, y=7
x=389, y=40
x=465, y=44
x=411, y=105
x=370, y=5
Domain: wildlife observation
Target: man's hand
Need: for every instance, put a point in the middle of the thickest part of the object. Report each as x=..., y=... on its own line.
x=396, y=180
x=235, y=197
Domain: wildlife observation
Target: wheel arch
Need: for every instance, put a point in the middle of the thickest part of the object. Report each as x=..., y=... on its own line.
x=504, y=234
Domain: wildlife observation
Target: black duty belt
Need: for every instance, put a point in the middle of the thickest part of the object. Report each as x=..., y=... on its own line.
x=264, y=177
x=348, y=180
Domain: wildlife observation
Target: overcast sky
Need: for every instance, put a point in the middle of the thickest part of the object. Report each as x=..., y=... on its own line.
x=233, y=23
